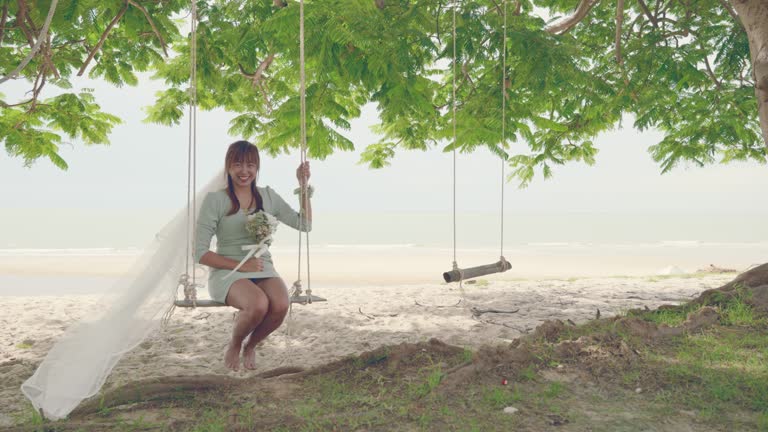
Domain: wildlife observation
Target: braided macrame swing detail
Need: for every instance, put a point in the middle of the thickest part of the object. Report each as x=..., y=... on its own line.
x=188, y=283
x=458, y=274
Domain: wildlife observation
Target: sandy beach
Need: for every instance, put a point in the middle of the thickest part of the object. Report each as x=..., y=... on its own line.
x=366, y=309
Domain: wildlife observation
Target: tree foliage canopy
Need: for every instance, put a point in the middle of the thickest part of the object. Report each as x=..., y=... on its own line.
x=680, y=66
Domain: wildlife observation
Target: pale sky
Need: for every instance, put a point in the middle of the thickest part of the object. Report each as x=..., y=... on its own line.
x=145, y=167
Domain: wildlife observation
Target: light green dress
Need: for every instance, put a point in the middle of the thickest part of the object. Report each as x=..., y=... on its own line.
x=231, y=236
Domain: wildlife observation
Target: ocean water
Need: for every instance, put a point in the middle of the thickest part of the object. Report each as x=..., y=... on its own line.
x=97, y=231
x=543, y=245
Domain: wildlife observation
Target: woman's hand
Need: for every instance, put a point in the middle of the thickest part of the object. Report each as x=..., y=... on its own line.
x=302, y=173
x=252, y=265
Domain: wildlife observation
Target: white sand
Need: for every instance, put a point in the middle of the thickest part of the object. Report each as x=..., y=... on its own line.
x=359, y=316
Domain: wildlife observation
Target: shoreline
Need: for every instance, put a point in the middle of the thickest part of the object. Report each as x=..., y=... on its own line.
x=373, y=265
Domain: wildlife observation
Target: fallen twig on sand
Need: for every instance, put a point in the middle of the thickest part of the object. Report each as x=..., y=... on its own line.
x=360, y=309
x=439, y=306
x=478, y=312
x=523, y=330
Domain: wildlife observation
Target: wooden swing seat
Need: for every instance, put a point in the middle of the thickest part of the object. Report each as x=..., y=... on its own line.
x=210, y=303
x=473, y=272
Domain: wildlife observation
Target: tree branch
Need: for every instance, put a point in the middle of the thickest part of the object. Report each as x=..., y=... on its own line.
x=647, y=13
x=619, y=20
x=437, y=20
x=38, y=87
x=20, y=19
x=264, y=93
x=151, y=23
x=712, y=74
x=257, y=75
x=44, y=47
x=498, y=8
x=5, y=105
x=36, y=46
x=68, y=43
x=581, y=12
x=3, y=20
x=102, y=39
x=732, y=13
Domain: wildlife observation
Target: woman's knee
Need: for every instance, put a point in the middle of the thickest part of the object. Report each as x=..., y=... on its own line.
x=278, y=309
x=255, y=306
x=257, y=310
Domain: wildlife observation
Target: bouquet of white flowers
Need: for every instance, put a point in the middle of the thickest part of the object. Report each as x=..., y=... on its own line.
x=261, y=225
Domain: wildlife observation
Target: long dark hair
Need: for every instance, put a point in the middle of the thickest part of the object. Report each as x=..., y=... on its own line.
x=243, y=152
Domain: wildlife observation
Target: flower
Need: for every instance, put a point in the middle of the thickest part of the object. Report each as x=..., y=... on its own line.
x=261, y=226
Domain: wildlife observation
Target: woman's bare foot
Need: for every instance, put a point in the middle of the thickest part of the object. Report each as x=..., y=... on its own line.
x=232, y=357
x=249, y=358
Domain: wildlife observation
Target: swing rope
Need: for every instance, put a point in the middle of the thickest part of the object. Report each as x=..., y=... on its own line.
x=503, y=264
x=453, y=108
x=304, y=193
x=503, y=128
x=186, y=281
x=192, y=151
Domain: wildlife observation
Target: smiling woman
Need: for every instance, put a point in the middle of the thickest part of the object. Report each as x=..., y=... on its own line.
x=255, y=287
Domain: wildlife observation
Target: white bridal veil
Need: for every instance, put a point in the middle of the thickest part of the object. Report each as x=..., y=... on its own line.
x=79, y=363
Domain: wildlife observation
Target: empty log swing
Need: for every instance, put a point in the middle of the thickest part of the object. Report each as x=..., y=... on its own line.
x=458, y=274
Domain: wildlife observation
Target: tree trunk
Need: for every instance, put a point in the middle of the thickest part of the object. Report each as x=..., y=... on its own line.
x=754, y=15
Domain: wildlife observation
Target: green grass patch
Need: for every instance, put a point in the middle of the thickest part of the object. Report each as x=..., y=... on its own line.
x=28, y=416
x=500, y=397
x=670, y=317
x=211, y=421
x=738, y=313
x=553, y=390
x=721, y=366
x=528, y=373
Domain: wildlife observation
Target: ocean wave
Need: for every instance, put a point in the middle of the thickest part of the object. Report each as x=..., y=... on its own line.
x=371, y=246
x=681, y=243
x=554, y=244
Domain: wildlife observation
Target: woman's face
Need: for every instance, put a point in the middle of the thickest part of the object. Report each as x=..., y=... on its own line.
x=243, y=173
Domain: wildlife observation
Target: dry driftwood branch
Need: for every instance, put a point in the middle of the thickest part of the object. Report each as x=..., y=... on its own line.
x=360, y=309
x=438, y=306
x=478, y=312
x=524, y=330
